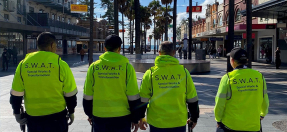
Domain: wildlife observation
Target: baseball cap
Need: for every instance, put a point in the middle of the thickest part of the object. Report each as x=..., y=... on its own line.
x=238, y=54
x=113, y=42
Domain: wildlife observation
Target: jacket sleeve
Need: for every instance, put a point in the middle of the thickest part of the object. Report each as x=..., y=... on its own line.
x=265, y=104
x=221, y=97
x=145, y=92
x=191, y=98
x=132, y=93
x=89, y=92
x=17, y=91
x=70, y=87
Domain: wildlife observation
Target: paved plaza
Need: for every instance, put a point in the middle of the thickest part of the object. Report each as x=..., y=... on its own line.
x=206, y=85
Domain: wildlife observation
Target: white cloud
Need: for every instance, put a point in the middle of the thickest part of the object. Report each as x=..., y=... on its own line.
x=204, y=6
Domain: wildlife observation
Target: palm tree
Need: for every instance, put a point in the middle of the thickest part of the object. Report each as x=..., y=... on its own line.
x=146, y=21
x=166, y=2
x=137, y=28
x=122, y=8
x=153, y=6
x=107, y=4
x=131, y=16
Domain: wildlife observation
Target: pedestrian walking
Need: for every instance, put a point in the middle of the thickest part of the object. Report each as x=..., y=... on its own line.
x=15, y=55
x=277, y=58
x=111, y=95
x=168, y=89
x=47, y=84
x=10, y=53
x=242, y=99
x=82, y=53
x=180, y=52
x=219, y=50
x=213, y=52
x=5, y=60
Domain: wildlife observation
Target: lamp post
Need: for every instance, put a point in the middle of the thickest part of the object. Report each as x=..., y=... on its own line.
x=230, y=43
x=91, y=32
x=190, y=30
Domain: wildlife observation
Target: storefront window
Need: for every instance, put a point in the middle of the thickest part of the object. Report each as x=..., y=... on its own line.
x=69, y=43
x=238, y=15
x=31, y=44
x=74, y=44
x=220, y=21
x=237, y=43
x=11, y=41
x=59, y=44
x=265, y=49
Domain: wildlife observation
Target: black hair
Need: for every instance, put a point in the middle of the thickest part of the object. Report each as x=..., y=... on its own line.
x=45, y=40
x=166, y=48
x=113, y=42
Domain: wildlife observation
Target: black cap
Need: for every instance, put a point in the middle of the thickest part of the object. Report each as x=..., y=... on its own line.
x=113, y=42
x=238, y=54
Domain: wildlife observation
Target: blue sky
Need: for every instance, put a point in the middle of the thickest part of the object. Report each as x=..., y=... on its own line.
x=181, y=11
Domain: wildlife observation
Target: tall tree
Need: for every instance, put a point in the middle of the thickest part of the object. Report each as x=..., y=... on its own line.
x=137, y=29
x=166, y=2
x=109, y=14
x=146, y=21
x=153, y=6
x=129, y=13
x=123, y=6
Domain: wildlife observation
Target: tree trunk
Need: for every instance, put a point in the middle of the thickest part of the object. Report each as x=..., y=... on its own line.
x=137, y=29
x=154, y=44
x=131, y=51
x=144, y=38
x=141, y=35
x=174, y=23
x=166, y=29
x=157, y=45
x=116, y=16
x=123, y=34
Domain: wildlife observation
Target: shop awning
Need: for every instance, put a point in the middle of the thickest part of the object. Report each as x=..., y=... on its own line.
x=271, y=9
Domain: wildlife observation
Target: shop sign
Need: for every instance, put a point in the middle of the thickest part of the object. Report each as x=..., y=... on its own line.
x=194, y=9
x=270, y=26
x=79, y=8
x=215, y=39
x=204, y=39
x=244, y=35
x=236, y=37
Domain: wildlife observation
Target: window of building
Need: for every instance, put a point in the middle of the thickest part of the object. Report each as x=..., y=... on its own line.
x=63, y=19
x=53, y=17
x=58, y=18
x=19, y=19
x=41, y=11
x=31, y=9
x=6, y=16
x=265, y=48
x=69, y=20
x=261, y=19
x=227, y=20
x=5, y=4
x=214, y=23
x=19, y=6
x=220, y=21
x=31, y=44
x=237, y=43
x=60, y=44
x=238, y=15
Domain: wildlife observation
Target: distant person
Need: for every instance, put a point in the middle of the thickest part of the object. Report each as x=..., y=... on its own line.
x=82, y=53
x=213, y=53
x=180, y=52
x=15, y=55
x=219, y=50
x=277, y=58
x=241, y=101
x=5, y=60
x=10, y=53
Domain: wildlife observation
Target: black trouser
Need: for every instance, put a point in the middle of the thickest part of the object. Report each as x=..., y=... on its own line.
x=5, y=63
x=222, y=128
x=51, y=123
x=82, y=57
x=278, y=63
x=115, y=124
x=15, y=59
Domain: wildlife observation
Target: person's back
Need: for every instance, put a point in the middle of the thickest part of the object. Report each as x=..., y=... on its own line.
x=48, y=87
x=242, y=96
x=111, y=92
x=168, y=88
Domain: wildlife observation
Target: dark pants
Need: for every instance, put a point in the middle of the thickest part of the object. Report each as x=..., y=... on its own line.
x=278, y=63
x=176, y=129
x=82, y=57
x=53, y=124
x=5, y=63
x=116, y=124
x=180, y=55
x=15, y=59
x=222, y=128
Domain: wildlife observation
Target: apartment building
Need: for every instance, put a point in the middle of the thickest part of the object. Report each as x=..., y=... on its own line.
x=21, y=21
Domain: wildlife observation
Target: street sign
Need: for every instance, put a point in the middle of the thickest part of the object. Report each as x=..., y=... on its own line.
x=170, y=26
x=194, y=9
x=270, y=26
x=79, y=8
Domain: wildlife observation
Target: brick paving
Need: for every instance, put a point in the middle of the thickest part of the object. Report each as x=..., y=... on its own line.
x=206, y=85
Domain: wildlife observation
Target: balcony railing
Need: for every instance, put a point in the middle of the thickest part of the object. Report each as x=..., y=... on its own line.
x=43, y=20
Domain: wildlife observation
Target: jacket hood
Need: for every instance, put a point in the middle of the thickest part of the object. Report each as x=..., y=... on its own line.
x=164, y=60
x=112, y=58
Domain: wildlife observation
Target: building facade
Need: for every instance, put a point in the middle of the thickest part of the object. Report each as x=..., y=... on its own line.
x=21, y=21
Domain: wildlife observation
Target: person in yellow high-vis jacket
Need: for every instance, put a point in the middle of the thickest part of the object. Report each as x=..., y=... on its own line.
x=242, y=99
x=48, y=87
x=167, y=90
x=111, y=94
